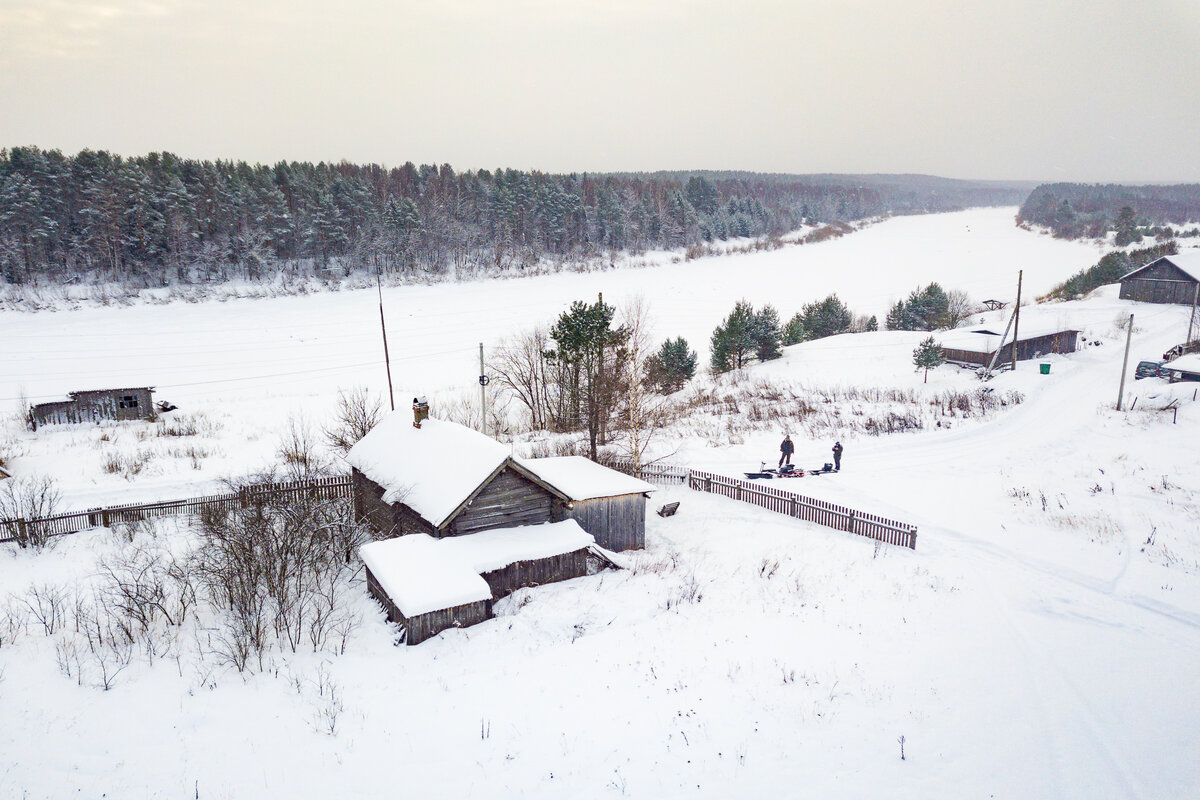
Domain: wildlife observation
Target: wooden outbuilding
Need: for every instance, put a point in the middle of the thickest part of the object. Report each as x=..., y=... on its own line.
x=609, y=505
x=1169, y=279
x=95, y=405
x=977, y=346
x=1184, y=368
x=429, y=585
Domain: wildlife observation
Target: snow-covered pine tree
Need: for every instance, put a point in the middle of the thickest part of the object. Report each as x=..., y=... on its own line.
x=928, y=355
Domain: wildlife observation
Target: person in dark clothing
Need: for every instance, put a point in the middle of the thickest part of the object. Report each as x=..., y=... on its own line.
x=786, y=448
x=837, y=455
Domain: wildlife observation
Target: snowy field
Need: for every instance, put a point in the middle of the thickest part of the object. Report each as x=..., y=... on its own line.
x=1042, y=641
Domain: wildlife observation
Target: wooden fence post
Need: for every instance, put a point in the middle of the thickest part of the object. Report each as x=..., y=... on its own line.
x=850, y=527
x=22, y=533
x=708, y=485
x=794, y=506
x=912, y=538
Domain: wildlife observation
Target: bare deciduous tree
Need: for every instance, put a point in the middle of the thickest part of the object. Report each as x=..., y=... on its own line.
x=27, y=499
x=358, y=411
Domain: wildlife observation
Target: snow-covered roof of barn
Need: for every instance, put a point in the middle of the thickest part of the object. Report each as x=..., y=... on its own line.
x=986, y=340
x=1187, y=262
x=1188, y=363
x=497, y=548
x=419, y=576
x=431, y=469
x=422, y=574
x=581, y=479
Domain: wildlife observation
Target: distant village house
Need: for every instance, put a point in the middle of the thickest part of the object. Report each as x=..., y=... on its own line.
x=977, y=346
x=95, y=405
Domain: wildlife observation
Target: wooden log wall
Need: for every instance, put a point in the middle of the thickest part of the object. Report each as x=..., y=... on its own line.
x=617, y=523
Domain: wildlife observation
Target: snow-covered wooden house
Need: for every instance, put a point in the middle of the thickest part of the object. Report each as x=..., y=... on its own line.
x=461, y=502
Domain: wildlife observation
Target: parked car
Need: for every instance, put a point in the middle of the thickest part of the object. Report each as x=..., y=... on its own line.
x=1149, y=369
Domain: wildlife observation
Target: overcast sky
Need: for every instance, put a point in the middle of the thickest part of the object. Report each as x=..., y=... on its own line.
x=1103, y=90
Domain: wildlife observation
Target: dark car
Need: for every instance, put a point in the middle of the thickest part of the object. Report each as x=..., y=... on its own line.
x=1149, y=369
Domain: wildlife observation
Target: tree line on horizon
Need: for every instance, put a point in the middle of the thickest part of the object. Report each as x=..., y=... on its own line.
x=1077, y=210
x=159, y=219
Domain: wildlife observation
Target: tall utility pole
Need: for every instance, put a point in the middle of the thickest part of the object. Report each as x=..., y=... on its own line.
x=383, y=328
x=1125, y=363
x=1192, y=319
x=1017, y=319
x=483, y=382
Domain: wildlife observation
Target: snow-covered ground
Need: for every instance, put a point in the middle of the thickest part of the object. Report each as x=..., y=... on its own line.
x=1042, y=641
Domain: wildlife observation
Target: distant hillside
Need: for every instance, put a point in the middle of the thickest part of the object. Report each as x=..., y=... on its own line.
x=1077, y=210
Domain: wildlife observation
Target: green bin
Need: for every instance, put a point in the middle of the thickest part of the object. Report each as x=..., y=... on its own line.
x=1045, y=369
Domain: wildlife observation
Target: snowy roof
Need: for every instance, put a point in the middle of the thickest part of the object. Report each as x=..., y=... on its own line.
x=986, y=340
x=1188, y=363
x=1188, y=263
x=581, y=479
x=422, y=574
x=431, y=469
x=419, y=576
x=497, y=548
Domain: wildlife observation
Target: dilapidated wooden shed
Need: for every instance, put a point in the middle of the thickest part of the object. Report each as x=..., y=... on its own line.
x=94, y=405
x=1169, y=279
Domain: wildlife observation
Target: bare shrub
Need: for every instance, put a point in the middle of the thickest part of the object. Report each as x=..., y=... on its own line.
x=276, y=573
x=12, y=622
x=47, y=606
x=299, y=450
x=358, y=411
x=28, y=499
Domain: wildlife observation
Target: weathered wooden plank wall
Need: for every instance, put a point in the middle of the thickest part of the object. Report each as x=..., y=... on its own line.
x=508, y=501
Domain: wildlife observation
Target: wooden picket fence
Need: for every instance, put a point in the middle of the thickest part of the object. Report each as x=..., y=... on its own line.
x=330, y=488
x=809, y=509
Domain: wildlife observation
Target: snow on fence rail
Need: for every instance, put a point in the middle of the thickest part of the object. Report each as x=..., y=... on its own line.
x=808, y=509
x=331, y=488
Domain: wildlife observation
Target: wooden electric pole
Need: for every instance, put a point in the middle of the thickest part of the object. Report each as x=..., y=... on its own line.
x=383, y=329
x=1192, y=319
x=1017, y=320
x=1125, y=363
x=483, y=382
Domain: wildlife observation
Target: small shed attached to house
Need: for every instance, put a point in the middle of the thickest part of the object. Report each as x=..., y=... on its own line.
x=1169, y=279
x=977, y=346
x=95, y=405
x=429, y=585
x=1184, y=368
x=609, y=505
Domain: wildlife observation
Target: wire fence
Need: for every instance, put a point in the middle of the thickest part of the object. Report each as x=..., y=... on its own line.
x=820, y=512
x=41, y=528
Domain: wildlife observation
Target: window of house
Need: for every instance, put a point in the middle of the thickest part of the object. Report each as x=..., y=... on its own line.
x=128, y=401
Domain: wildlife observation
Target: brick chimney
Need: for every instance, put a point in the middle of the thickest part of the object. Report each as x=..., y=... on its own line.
x=420, y=411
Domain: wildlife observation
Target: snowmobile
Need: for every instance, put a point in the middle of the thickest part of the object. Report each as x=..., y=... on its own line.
x=786, y=471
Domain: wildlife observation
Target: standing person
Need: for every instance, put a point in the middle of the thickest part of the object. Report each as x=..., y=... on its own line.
x=786, y=448
x=837, y=456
